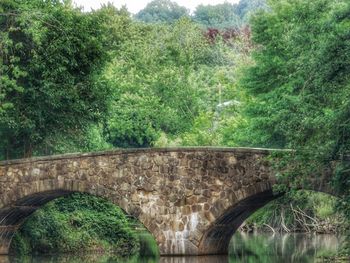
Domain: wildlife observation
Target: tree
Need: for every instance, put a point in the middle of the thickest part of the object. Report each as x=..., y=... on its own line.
x=218, y=16
x=300, y=86
x=76, y=223
x=228, y=15
x=50, y=59
x=246, y=8
x=162, y=11
x=151, y=80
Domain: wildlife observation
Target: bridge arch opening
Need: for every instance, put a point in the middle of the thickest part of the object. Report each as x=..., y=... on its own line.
x=14, y=220
x=217, y=238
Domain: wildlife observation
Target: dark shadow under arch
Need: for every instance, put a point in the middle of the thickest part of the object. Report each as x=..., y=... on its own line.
x=217, y=238
x=16, y=214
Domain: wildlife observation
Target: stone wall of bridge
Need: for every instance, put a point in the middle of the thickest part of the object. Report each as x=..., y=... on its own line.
x=191, y=199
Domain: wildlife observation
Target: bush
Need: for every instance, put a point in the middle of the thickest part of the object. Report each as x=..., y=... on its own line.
x=74, y=224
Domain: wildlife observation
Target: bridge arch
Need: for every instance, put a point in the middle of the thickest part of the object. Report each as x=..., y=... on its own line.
x=39, y=193
x=190, y=199
x=217, y=237
x=17, y=215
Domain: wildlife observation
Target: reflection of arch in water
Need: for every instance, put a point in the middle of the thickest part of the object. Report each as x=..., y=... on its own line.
x=275, y=248
x=199, y=259
x=102, y=258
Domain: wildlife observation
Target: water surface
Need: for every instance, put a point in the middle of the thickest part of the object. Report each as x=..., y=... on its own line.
x=244, y=248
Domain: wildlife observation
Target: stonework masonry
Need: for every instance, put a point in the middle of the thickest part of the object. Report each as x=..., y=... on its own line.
x=191, y=199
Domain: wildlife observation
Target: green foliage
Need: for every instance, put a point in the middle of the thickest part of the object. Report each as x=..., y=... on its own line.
x=51, y=57
x=89, y=139
x=148, y=246
x=289, y=75
x=75, y=224
x=151, y=80
x=202, y=132
x=287, y=212
x=134, y=122
x=227, y=15
x=300, y=84
x=220, y=99
x=246, y=8
x=218, y=16
x=162, y=11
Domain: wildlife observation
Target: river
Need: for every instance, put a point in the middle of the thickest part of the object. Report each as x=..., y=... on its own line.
x=244, y=248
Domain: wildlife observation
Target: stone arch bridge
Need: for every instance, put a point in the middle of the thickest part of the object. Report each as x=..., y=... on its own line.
x=191, y=199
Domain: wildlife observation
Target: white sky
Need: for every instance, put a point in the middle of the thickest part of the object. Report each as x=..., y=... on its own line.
x=136, y=5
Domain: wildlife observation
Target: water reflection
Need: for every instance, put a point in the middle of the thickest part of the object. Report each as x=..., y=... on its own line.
x=259, y=248
x=202, y=259
x=265, y=248
x=109, y=259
